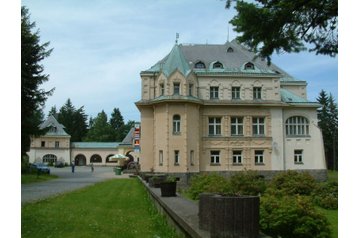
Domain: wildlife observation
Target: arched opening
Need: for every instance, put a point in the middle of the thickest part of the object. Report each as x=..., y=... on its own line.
x=110, y=161
x=96, y=158
x=80, y=160
x=49, y=158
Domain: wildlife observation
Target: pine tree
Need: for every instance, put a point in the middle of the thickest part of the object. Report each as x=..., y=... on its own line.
x=32, y=76
x=117, y=124
x=101, y=130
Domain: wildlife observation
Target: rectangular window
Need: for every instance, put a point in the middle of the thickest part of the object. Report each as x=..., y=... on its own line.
x=235, y=92
x=298, y=156
x=214, y=126
x=42, y=143
x=215, y=157
x=176, y=124
x=237, y=157
x=160, y=157
x=57, y=144
x=176, y=157
x=258, y=126
x=176, y=88
x=237, y=126
x=161, y=89
x=191, y=89
x=214, y=92
x=257, y=93
x=259, y=156
x=192, y=157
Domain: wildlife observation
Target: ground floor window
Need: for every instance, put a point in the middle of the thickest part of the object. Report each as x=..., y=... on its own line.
x=49, y=158
x=96, y=158
x=192, y=157
x=160, y=158
x=237, y=157
x=215, y=157
x=80, y=160
x=259, y=157
x=298, y=156
x=176, y=157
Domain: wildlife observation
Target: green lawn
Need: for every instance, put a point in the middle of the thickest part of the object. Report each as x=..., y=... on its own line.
x=33, y=178
x=115, y=208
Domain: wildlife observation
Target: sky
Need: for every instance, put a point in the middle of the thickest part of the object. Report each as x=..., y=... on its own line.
x=101, y=46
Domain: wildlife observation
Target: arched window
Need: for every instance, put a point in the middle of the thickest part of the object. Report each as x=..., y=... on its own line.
x=297, y=126
x=199, y=65
x=249, y=66
x=230, y=50
x=96, y=158
x=218, y=65
x=49, y=158
x=80, y=160
x=176, y=124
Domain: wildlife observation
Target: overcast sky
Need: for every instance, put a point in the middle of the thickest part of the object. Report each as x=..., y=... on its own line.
x=101, y=46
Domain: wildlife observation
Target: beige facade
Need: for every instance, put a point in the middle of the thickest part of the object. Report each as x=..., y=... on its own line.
x=224, y=119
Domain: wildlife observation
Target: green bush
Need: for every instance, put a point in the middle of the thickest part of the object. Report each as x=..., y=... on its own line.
x=326, y=195
x=211, y=183
x=292, y=217
x=247, y=183
x=294, y=183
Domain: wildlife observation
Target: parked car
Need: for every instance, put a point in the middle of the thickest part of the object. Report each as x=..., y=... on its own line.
x=43, y=168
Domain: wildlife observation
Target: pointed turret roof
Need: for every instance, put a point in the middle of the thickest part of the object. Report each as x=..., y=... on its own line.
x=55, y=128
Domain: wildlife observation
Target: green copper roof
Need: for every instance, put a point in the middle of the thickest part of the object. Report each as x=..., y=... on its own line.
x=289, y=97
x=97, y=145
x=174, y=61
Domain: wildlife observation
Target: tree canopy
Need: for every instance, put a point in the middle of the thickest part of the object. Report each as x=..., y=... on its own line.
x=285, y=25
x=32, y=76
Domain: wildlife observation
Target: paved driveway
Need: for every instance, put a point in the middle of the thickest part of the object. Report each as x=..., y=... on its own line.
x=67, y=181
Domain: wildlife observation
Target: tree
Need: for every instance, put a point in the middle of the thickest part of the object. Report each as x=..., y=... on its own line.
x=117, y=124
x=276, y=25
x=74, y=120
x=328, y=122
x=101, y=130
x=53, y=112
x=32, y=76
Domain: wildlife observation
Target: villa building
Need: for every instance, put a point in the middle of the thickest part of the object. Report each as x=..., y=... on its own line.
x=218, y=108
x=55, y=146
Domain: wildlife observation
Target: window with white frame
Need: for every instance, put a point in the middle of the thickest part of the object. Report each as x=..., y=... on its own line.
x=214, y=92
x=297, y=126
x=160, y=157
x=237, y=157
x=235, y=92
x=257, y=92
x=215, y=157
x=176, y=157
x=192, y=157
x=161, y=88
x=259, y=156
x=214, y=126
x=258, y=126
x=176, y=124
x=237, y=126
x=176, y=88
x=298, y=156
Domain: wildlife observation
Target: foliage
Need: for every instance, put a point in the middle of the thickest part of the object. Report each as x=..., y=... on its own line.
x=117, y=123
x=95, y=211
x=271, y=25
x=293, y=183
x=292, y=217
x=326, y=195
x=74, y=120
x=328, y=122
x=211, y=183
x=32, y=76
x=100, y=130
x=247, y=183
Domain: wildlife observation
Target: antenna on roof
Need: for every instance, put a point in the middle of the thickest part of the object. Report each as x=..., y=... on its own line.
x=176, y=38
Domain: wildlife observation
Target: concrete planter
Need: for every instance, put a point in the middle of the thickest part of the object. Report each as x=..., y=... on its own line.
x=229, y=216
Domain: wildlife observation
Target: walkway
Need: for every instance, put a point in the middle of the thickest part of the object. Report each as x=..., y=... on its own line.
x=66, y=182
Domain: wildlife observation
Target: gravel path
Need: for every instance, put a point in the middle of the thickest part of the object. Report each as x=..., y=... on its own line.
x=67, y=181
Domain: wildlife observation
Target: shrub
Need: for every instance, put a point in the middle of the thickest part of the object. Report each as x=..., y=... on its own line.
x=326, y=195
x=211, y=183
x=247, y=183
x=292, y=217
x=293, y=183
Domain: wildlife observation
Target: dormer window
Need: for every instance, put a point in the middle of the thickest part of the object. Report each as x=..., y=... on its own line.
x=218, y=65
x=249, y=66
x=200, y=65
x=230, y=50
x=176, y=88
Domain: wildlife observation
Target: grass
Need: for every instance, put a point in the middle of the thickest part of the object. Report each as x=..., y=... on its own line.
x=33, y=178
x=332, y=217
x=115, y=208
